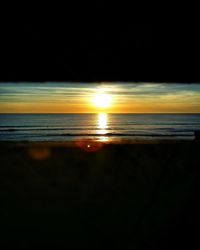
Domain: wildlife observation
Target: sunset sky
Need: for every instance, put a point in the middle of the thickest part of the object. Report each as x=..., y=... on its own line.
x=83, y=98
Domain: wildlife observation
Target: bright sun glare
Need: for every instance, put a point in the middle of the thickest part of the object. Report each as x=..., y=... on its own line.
x=102, y=100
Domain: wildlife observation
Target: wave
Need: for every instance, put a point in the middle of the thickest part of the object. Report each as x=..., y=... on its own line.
x=16, y=129
x=109, y=124
x=106, y=134
x=126, y=134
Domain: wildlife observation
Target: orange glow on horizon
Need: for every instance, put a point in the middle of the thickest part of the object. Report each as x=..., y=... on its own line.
x=95, y=98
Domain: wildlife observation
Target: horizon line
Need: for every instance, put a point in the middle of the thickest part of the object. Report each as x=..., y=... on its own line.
x=100, y=112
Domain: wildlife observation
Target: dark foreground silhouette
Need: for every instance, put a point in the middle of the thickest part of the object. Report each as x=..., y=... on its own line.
x=121, y=196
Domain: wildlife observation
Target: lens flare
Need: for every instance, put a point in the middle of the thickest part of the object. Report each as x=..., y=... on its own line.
x=39, y=153
x=89, y=146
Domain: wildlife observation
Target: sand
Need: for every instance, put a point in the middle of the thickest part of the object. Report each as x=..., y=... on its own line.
x=125, y=195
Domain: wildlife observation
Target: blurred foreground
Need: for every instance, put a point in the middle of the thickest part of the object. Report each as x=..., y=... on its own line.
x=120, y=196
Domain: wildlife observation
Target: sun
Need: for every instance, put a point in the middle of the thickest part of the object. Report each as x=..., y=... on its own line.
x=102, y=100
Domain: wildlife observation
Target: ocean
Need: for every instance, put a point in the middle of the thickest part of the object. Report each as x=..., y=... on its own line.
x=100, y=127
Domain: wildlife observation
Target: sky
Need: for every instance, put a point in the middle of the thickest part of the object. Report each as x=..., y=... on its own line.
x=79, y=98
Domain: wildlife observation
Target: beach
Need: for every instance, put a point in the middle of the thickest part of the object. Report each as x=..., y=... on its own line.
x=128, y=194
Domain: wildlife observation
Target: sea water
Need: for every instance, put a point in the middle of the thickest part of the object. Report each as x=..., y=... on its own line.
x=101, y=126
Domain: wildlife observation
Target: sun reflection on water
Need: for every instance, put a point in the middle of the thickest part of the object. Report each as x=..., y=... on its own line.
x=103, y=139
x=102, y=126
x=102, y=120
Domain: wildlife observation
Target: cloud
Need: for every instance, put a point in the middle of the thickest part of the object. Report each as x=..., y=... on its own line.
x=70, y=94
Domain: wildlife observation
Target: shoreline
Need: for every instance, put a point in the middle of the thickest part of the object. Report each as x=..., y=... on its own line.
x=110, y=143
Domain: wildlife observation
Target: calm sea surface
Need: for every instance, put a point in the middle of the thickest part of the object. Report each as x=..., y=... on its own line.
x=102, y=126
